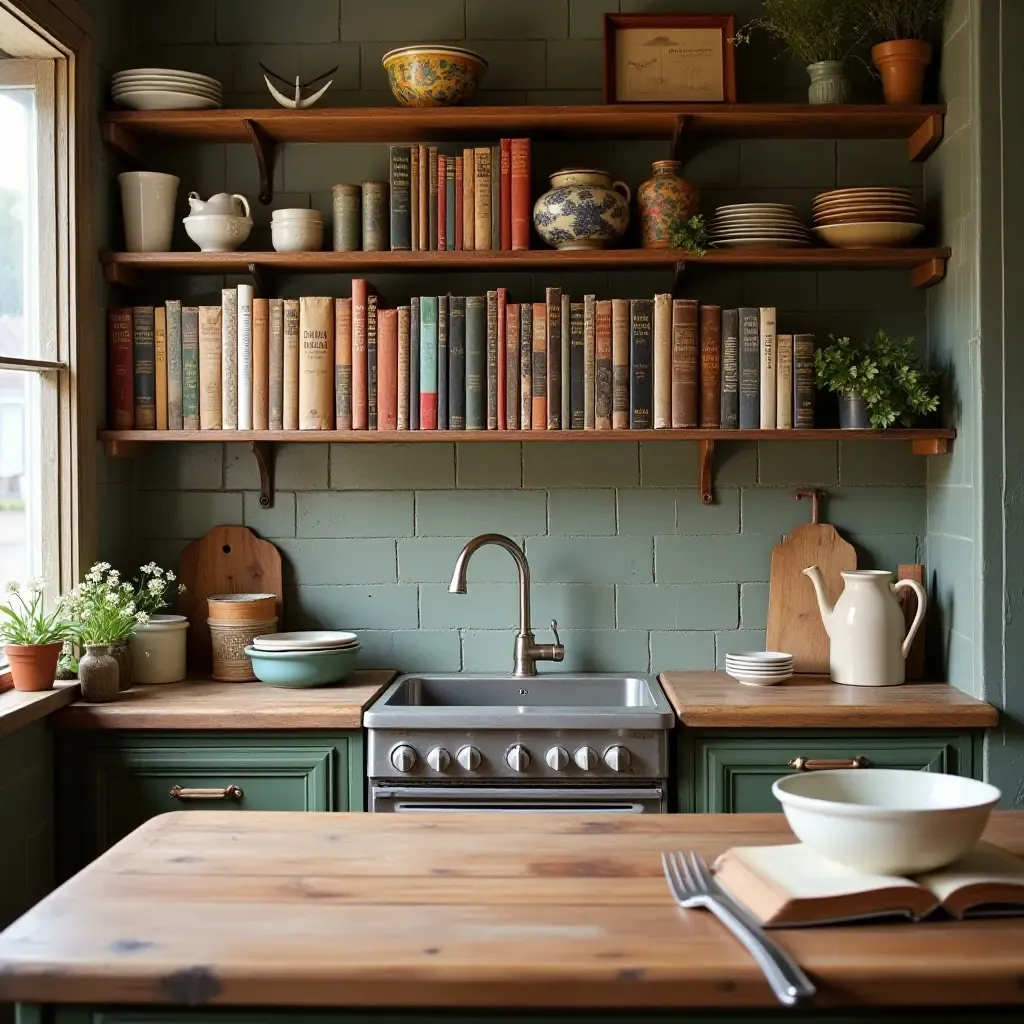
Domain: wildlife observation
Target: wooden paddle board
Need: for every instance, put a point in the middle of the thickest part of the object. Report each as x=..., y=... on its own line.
x=794, y=620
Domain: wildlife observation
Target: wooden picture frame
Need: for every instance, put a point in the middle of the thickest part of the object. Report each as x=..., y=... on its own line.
x=708, y=77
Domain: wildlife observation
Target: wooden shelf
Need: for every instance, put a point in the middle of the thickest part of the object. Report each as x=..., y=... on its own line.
x=129, y=443
x=927, y=266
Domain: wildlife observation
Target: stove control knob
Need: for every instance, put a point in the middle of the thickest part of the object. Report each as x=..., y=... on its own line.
x=439, y=759
x=518, y=758
x=469, y=758
x=586, y=758
x=617, y=758
x=557, y=759
x=403, y=757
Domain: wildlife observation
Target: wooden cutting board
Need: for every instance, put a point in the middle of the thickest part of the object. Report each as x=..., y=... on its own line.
x=794, y=621
x=228, y=560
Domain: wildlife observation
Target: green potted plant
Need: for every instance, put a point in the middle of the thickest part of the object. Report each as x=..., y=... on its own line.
x=157, y=645
x=32, y=639
x=821, y=33
x=690, y=235
x=902, y=52
x=879, y=382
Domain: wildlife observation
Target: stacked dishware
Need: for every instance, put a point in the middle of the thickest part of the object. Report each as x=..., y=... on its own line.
x=867, y=218
x=165, y=89
x=759, y=668
x=297, y=230
x=758, y=226
x=303, y=659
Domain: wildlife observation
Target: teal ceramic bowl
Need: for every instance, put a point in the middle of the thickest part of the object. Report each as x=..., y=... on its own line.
x=303, y=669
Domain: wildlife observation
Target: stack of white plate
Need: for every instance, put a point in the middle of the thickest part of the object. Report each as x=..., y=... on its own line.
x=758, y=226
x=759, y=668
x=306, y=640
x=165, y=89
x=858, y=218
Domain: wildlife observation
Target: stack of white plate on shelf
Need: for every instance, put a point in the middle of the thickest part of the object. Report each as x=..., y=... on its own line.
x=862, y=218
x=759, y=668
x=306, y=640
x=165, y=89
x=758, y=226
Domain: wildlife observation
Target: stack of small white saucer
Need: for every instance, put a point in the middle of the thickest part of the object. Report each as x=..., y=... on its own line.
x=165, y=89
x=759, y=668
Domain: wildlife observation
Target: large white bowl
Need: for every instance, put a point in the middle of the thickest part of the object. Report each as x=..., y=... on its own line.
x=886, y=821
x=297, y=236
x=217, y=232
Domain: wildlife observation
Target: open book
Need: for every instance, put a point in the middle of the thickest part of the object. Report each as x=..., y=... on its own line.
x=793, y=885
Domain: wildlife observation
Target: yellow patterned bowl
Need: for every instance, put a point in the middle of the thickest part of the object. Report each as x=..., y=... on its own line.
x=433, y=76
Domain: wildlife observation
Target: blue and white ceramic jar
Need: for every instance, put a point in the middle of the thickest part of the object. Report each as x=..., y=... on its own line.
x=585, y=209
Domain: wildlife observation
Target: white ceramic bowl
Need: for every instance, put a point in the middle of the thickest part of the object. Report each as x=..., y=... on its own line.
x=887, y=821
x=297, y=236
x=217, y=232
x=297, y=214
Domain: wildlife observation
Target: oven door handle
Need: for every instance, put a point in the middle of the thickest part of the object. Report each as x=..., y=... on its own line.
x=468, y=793
x=512, y=800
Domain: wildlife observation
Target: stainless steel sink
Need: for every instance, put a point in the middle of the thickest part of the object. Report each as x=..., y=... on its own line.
x=563, y=701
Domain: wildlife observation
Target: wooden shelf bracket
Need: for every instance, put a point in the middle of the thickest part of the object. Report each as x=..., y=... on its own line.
x=677, y=138
x=265, y=149
x=930, y=272
x=264, y=452
x=926, y=138
x=707, y=452
x=262, y=280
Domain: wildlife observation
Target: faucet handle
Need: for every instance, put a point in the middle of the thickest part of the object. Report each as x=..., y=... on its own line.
x=554, y=629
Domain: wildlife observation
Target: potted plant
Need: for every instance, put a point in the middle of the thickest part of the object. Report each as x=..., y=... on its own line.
x=879, y=382
x=32, y=639
x=158, y=645
x=902, y=53
x=821, y=33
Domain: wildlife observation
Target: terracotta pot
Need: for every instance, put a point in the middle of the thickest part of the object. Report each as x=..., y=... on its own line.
x=33, y=666
x=665, y=199
x=901, y=63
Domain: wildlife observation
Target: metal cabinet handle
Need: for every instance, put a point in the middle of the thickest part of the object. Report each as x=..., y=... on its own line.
x=227, y=793
x=817, y=764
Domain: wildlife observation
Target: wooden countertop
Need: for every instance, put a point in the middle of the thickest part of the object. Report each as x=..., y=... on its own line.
x=474, y=910
x=209, y=705
x=716, y=700
x=19, y=708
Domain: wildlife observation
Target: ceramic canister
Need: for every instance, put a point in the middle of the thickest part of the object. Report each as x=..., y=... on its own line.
x=665, y=199
x=348, y=215
x=228, y=640
x=584, y=209
x=375, y=216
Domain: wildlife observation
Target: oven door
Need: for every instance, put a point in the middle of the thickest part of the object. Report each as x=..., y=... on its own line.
x=518, y=799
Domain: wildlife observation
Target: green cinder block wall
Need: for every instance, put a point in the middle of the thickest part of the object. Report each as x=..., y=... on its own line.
x=638, y=574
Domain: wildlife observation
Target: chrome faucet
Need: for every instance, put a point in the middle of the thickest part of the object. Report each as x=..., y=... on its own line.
x=528, y=652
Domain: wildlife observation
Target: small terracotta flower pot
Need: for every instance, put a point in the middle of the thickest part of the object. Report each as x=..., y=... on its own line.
x=33, y=667
x=901, y=63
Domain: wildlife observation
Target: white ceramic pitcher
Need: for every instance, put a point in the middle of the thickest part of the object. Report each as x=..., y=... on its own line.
x=867, y=645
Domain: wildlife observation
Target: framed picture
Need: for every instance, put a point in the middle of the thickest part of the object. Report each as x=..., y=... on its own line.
x=669, y=58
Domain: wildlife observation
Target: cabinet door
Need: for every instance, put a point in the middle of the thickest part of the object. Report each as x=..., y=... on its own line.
x=734, y=773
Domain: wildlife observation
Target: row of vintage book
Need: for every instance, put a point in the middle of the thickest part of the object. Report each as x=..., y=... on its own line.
x=453, y=362
x=477, y=201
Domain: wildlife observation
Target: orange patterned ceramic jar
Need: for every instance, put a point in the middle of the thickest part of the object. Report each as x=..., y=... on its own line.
x=664, y=200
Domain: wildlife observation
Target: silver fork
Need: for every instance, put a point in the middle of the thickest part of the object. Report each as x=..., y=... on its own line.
x=692, y=885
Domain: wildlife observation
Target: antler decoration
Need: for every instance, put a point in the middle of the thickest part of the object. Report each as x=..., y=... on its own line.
x=299, y=102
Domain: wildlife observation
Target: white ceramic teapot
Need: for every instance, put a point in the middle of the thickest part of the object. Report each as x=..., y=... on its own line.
x=234, y=205
x=867, y=645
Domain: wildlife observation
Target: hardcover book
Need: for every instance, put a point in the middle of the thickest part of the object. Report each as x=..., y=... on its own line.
x=482, y=198
x=495, y=197
x=120, y=370
x=371, y=360
x=784, y=382
x=576, y=359
x=245, y=297
x=316, y=363
x=641, y=330
x=662, y=361
x=160, y=353
x=589, y=362
x=403, y=367
x=387, y=369
x=174, y=381
x=620, y=364
x=492, y=360
x=260, y=364
x=428, y=362
x=768, y=385
x=512, y=362
x=144, y=363
x=505, y=202
x=432, y=198
x=476, y=362
x=566, y=362
x=276, y=400
x=526, y=366
x=442, y=203
x=459, y=204
x=423, y=186
x=457, y=362
x=414, y=198
x=451, y=206
x=711, y=367
x=414, y=363
x=469, y=199
x=730, y=369
x=502, y=358
x=553, y=317
x=360, y=411
x=685, y=362
x=603, y=366
x=209, y=367
x=443, y=321
x=229, y=358
x=190, y=368
x=539, y=416
x=520, y=187
x=803, y=381
x=401, y=224
x=290, y=368
x=750, y=368
x=342, y=362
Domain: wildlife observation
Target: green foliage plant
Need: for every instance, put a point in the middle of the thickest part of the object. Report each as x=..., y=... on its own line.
x=888, y=20
x=813, y=30
x=690, y=235
x=23, y=618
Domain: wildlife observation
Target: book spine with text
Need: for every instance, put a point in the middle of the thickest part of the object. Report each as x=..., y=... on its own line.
x=428, y=362
x=526, y=366
x=276, y=400
x=260, y=364
x=539, y=416
x=492, y=360
x=685, y=375
x=553, y=318
x=387, y=369
x=401, y=224
x=160, y=354
x=565, y=356
x=174, y=409
x=750, y=368
x=577, y=357
x=316, y=363
x=450, y=207
x=290, y=367
x=641, y=329
x=803, y=381
x=423, y=186
x=371, y=360
x=210, y=395
x=144, y=367
x=442, y=202
x=360, y=417
x=662, y=368
x=521, y=198
x=711, y=367
x=730, y=369
x=120, y=370
x=768, y=418
x=502, y=358
x=403, y=367
x=784, y=382
x=469, y=199
x=190, y=368
x=589, y=362
x=342, y=362
x=432, y=198
x=443, y=323
x=476, y=362
x=512, y=366
x=482, y=198
x=620, y=364
x=505, y=204
x=603, y=366
x=414, y=198
x=229, y=358
x=414, y=363
x=457, y=362
x=245, y=297
x=495, y=197
x=459, y=204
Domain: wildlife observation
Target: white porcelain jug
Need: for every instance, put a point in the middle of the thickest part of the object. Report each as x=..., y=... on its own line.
x=234, y=205
x=867, y=645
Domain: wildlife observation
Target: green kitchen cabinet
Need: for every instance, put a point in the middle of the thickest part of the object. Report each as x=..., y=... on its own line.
x=732, y=771
x=110, y=783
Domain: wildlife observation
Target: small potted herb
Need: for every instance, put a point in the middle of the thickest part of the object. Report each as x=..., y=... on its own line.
x=821, y=33
x=32, y=639
x=691, y=235
x=879, y=382
x=902, y=52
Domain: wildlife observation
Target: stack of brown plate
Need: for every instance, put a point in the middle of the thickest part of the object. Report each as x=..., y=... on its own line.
x=758, y=226
x=867, y=218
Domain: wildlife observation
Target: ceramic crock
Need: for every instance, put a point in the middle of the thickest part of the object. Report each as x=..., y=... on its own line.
x=665, y=199
x=158, y=650
x=829, y=83
x=584, y=209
